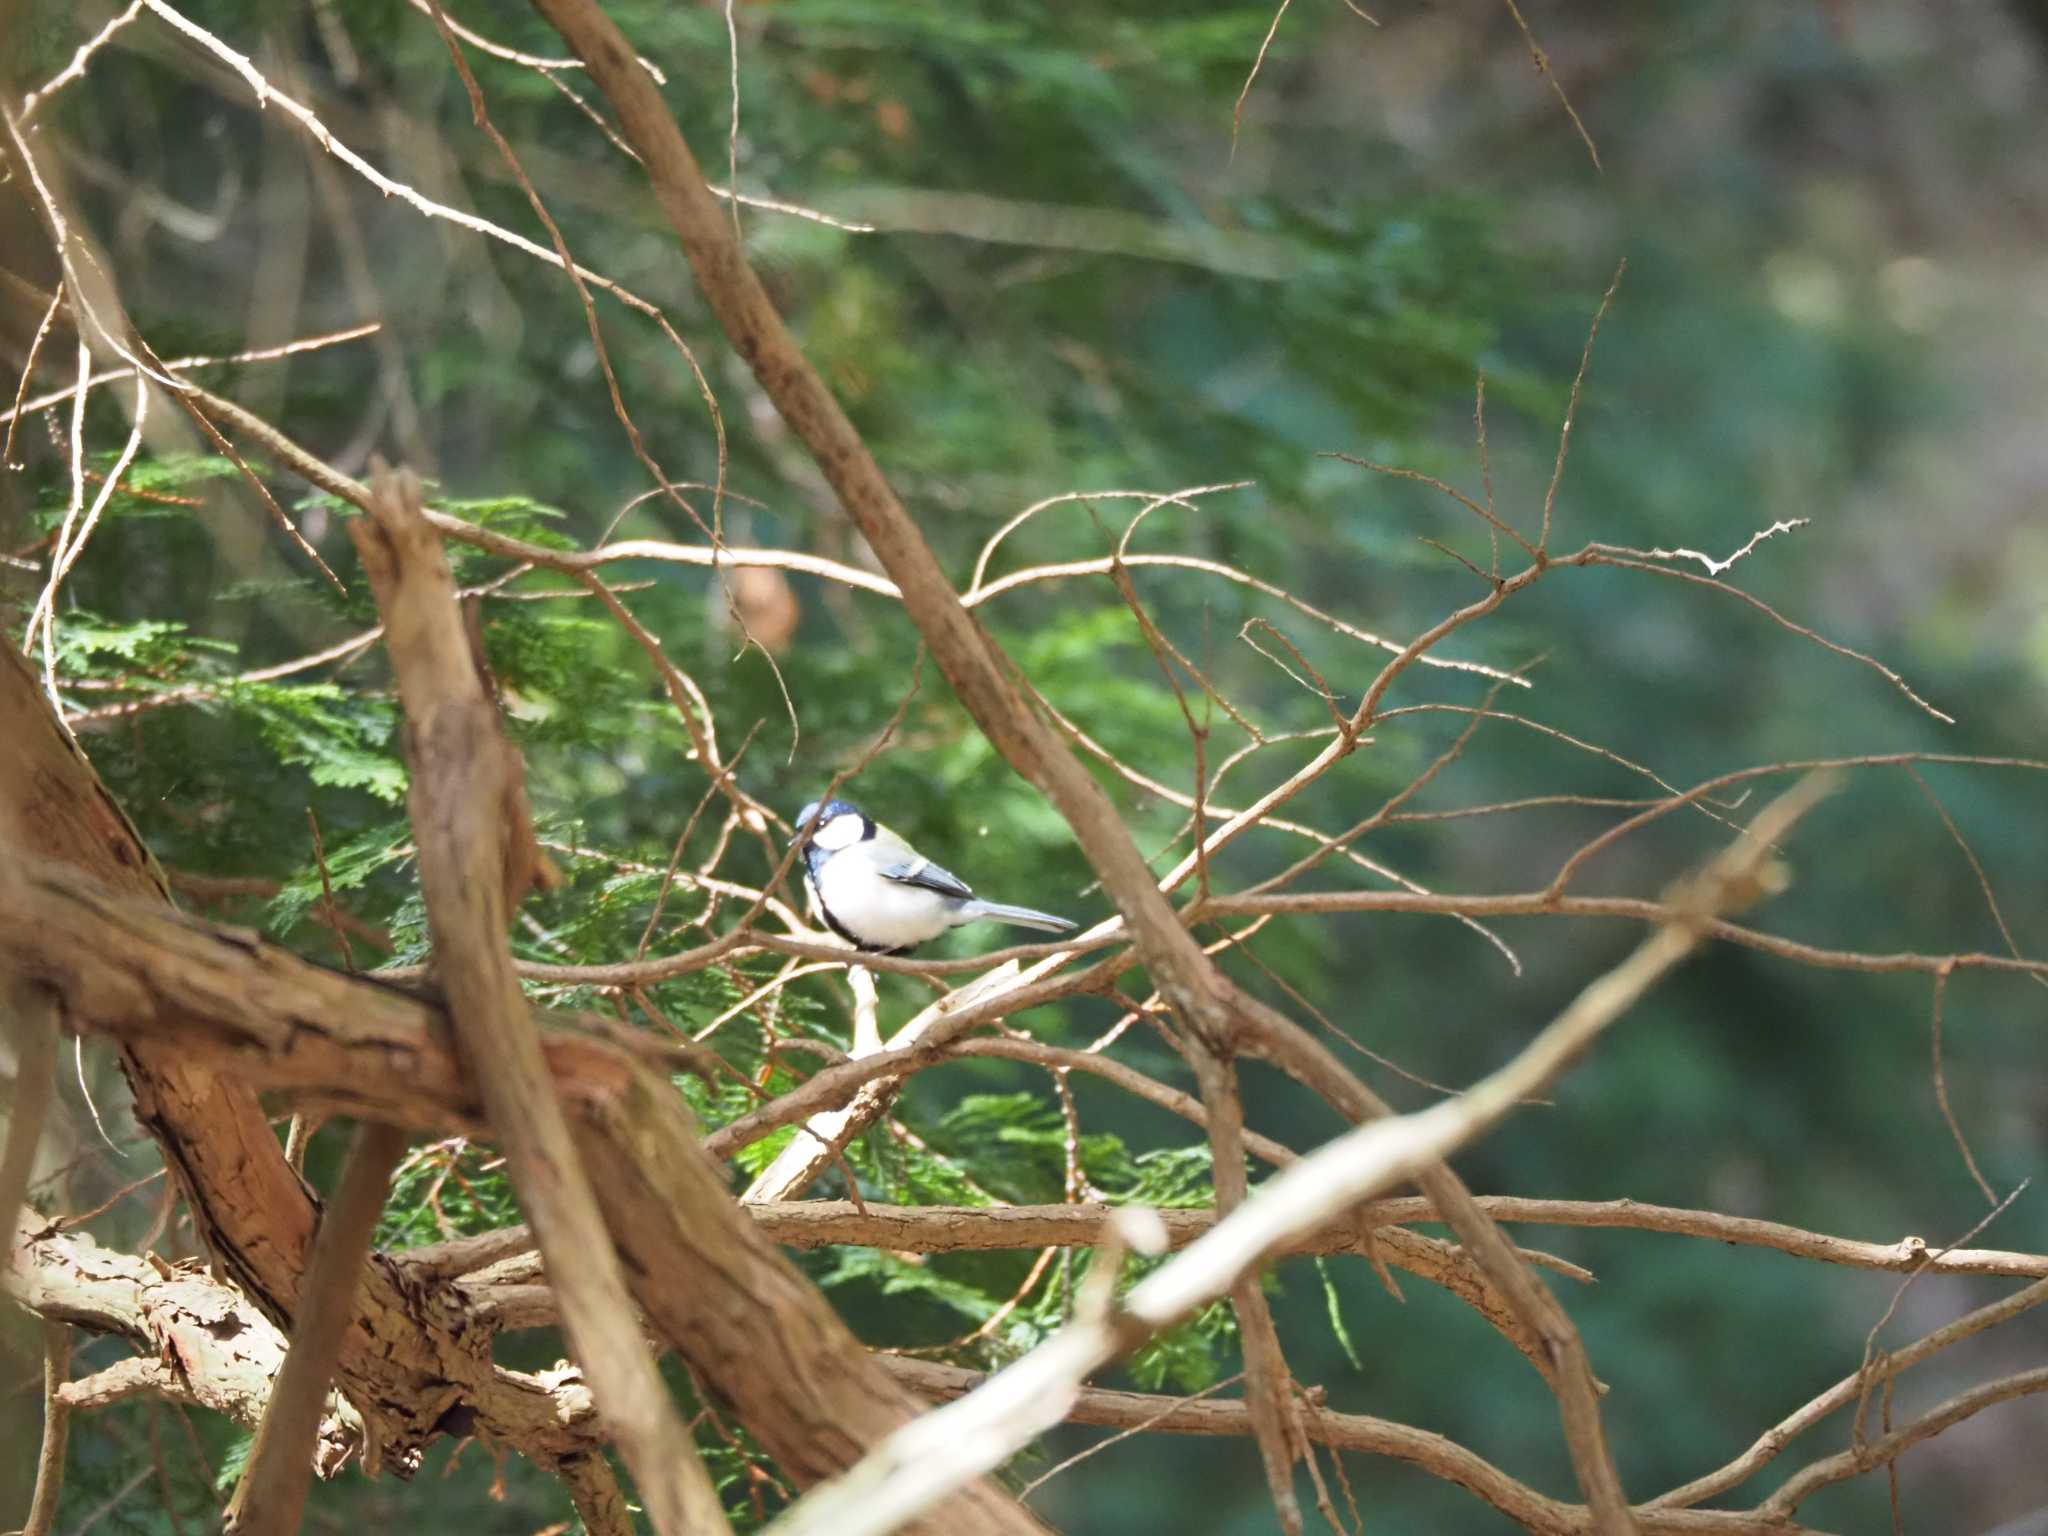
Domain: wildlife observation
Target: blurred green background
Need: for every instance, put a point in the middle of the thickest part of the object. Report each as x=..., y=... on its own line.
x=1083, y=279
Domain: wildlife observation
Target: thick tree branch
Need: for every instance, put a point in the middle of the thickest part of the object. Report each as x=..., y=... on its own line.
x=468, y=804
x=740, y=1314
x=196, y=1338
x=595, y=1492
x=408, y=1356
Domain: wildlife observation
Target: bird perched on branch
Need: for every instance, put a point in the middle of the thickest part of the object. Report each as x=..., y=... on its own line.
x=880, y=894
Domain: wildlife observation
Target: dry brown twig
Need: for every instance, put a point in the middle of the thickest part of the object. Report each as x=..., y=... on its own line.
x=270, y=1498
x=32, y=1019
x=42, y=1510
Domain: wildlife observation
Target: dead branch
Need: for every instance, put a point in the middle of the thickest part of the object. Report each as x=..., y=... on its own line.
x=945, y=1229
x=467, y=799
x=196, y=1339
x=1845, y=1392
x=1859, y=1459
x=713, y=1285
x=42, y=1509
x=271, y=1496
x=1362, y=1433
x=34, y=1019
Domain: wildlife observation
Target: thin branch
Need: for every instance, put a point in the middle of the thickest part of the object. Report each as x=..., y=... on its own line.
x=1542, y=62
x=531, y=61
x=1948, y=1115
x=28, y=370
x=1269, y=1388
x=806, y=1157
x=34, y=100
x=1597, y=554
x=32, y=1013
x=1432, y=1453
x=1976, y=867
x=1859, y=1459
x=1184, y=499
x=268, y=95
x=42, y=1510
x=946, y=1229
x=1844, y=1393
x=1496, y=526
x=221, y=888
x=1716, y=567
x=714, y=529
x=181, y=364
x=348, y=955
x=1706, y=787
x=1571, y=409
x=948, y=1386
x=271, y=1496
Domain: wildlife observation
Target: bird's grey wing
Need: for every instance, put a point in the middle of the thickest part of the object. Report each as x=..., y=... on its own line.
x=923, y=873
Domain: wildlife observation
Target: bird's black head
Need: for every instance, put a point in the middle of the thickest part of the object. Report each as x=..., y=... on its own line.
x=814, y=818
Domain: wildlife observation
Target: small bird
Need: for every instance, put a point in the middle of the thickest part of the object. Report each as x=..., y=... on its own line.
x=880, y=894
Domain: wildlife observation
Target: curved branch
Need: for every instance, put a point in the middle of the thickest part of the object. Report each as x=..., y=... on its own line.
x=1859, y=1459
x=1432, y=1453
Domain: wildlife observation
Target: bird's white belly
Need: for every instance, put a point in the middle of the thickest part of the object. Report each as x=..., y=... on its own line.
x=883, y=914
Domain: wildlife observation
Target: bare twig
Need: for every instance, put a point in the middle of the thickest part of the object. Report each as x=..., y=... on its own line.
x=1269, y=1388
x=1859, y=1459
x=334, y=922
x=1571, y=409
x=1948, y=1115
x=28, y=370
x=1844, y=1393
x=1541, y=60
x=42, y=1510
x=1245, y=90
x=74, y=70
x=33, y=1014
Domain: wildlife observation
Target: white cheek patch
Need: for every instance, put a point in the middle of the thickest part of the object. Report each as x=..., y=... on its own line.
x=839, y=832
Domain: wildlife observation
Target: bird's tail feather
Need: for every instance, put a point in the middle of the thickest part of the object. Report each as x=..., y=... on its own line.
x=1023, y=917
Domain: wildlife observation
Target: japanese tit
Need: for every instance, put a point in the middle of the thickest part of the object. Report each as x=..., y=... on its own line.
x=880, y=894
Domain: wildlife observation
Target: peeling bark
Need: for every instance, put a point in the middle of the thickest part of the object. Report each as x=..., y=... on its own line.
x=714, y=1285
x=411, y=1356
